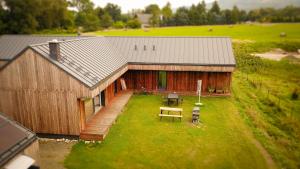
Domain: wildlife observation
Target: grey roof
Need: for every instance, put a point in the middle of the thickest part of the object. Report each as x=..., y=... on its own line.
x=93, y=59
x=144, y=18
x=176, y=50
x=11, y=45
x=14, y=138
x=89, y=60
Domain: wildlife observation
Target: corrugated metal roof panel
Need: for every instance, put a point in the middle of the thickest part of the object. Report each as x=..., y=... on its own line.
x=11, y=45
x=176, y=50
x=90, y=60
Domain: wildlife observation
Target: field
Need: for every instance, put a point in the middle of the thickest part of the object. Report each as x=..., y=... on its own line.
x=251, y=32
x=258, y=124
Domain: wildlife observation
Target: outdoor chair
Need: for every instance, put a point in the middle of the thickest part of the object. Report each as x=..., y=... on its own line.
x=196, y=115
x=164, y=100
x=180, y=100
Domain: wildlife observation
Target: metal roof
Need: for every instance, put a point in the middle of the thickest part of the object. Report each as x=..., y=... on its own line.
x=92, y=59
x=14, y=138
x=89, y=60
x=11, y=45
x=176, y=50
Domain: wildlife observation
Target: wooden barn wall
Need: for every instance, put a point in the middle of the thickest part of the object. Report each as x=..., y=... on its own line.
x=109, y=93
x=187, y=81
x=41, y=96
x=2, y=63
x=180, y=81
x=142, y=78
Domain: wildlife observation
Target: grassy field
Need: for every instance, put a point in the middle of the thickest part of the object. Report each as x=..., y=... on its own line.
x=263, y=92
x=141, y=140
x=255, y=32
x=261, y=109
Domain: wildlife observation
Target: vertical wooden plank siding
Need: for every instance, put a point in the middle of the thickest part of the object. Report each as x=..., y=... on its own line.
x=41, y=96
x=109, y=93
x=137, y=79
x=180, y=81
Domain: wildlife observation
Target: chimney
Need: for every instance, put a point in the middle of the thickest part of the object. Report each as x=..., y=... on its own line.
x=54, y=50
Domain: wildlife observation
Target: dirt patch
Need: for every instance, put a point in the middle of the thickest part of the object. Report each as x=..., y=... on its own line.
x=53, y=153
x=277, y=54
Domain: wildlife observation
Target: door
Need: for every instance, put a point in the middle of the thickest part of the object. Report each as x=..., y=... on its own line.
x=162, y=80
x=103, y=98
x=116, y=87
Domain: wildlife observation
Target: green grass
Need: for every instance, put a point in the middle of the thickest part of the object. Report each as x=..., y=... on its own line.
x=141, y=140
x=261, y=102
x=265, y=102
x=256, y=32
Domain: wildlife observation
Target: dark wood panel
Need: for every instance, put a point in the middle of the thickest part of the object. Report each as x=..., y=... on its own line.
x=138, y=79
x=178, y=81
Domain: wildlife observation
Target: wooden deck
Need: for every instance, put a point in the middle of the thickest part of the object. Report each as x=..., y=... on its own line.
x=98, y=126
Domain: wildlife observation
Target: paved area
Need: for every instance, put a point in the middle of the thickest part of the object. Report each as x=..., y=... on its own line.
x=53, y=153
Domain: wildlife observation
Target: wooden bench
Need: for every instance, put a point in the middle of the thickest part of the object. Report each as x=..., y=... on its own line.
x=170, y=109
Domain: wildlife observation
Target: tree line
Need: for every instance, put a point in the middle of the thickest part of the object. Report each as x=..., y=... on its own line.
x=30, y=16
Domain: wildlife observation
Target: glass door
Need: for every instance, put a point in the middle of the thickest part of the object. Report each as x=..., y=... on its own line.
x=162, y=80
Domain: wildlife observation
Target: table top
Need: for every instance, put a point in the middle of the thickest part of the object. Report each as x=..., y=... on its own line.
x=172, y=96
x=171, y=109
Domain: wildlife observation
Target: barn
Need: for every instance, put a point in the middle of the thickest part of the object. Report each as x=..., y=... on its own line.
x=61, y=86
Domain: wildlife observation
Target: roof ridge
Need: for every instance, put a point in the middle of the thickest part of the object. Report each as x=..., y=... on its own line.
x=65, y=41
x=170, y=36
x=44, y=35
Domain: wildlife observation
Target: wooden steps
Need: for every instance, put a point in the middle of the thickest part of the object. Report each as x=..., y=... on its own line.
x=98, y=126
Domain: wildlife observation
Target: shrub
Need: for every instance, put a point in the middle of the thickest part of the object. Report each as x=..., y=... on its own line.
x=119, y=25
x=134, y=24
x=290, y=46
x=211, y=89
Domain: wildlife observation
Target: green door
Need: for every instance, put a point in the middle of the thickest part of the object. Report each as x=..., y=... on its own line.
x=162, y=80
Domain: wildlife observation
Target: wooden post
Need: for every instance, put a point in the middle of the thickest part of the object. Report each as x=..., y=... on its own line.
x=82, y=114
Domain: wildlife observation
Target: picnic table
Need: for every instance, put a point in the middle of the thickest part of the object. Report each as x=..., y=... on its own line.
x=173, y=96
x=170, y=109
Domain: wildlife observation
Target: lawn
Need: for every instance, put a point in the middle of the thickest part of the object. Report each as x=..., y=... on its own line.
x=261, y=111
x=141, y=140
x=253, y=32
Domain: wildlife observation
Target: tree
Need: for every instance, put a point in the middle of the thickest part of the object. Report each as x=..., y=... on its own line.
x=21, y=15
x=235, y=13
x=86, y=16
x=106, y=20
x=215, y=8
x=193, y=15
x=226, y=15
x=54, y=14
x=114, y=11
x=155, y=11
x=167, y=13
x=214, y=14
x=197, y=14
x=182, y=16
x=201, y=8
x=2, y=16
x=82, y=5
